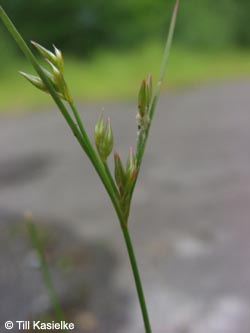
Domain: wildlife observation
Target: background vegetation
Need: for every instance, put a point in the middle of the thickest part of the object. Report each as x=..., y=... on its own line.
x=111, y=44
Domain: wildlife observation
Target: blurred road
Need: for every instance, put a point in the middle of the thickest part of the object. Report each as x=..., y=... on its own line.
x=190, y=217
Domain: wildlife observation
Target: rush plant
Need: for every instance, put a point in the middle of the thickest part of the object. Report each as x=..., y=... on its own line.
x=119, y=187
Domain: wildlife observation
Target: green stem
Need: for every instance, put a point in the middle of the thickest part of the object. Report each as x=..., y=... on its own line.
x=137, y=279
x=165, y=59
x=142, y=140
x=102, y=169
x=33, y=233
x=80, y=123
x=139, y=155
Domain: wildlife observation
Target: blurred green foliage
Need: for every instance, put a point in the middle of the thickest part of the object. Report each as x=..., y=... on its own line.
x=215, y=23
x=82, y=26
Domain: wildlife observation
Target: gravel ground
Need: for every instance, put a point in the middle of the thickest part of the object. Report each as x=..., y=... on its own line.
x=189, y=221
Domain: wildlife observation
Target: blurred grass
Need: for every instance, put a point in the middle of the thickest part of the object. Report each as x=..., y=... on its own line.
x=114, y=75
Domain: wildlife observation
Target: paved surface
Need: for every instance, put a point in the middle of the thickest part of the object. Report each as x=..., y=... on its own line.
x=190, y=217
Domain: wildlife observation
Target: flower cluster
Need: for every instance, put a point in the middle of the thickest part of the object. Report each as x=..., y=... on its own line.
x=55, y=75
x=124, y=177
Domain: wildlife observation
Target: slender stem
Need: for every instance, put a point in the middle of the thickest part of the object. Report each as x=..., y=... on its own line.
x=139, y=154
x=79, y=122
x=102, y=169
x=137, y=279
x=165, y=59
x=33, y=233
x=124, y=228
x=142, y=140
x=98, y=165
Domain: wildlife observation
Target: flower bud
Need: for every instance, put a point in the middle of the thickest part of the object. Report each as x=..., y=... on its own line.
x=120, y=176
x=59, y=59
x=44, y=52
x=99, y=132
x=108, y=139
x=130, y=175
x=55, y=58
x=35, y=80
x=103, y=139
x=131, y=167
x=59, y=82
x=142, y=99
